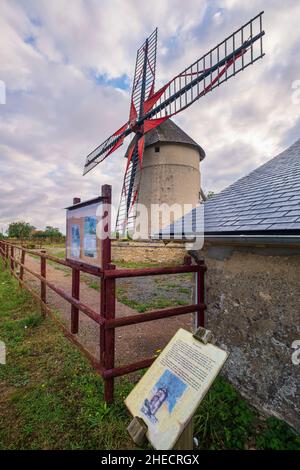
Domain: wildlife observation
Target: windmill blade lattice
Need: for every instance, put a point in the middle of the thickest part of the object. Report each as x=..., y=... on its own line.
x=129, y=195
x=106, y=148
x=142, y=89
x=144, y=76
x=239, y=50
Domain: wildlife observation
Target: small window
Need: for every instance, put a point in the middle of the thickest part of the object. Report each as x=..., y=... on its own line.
x=156, y=150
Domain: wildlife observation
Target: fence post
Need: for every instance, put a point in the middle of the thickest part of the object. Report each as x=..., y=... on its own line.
x=75, y=294
x=200, y=292
x=107, y=297
x=43, y=285
x=7, y=256
x=3, y=252
x=12, y=264
x=76, y=200
x=75, y=290
x=187, y=260
x=109, y=341
x=21, y=267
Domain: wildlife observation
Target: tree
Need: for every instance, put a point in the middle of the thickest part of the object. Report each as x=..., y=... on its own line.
x=210, y=194
x=19, y=230
x=53, y=233
x=38, y=234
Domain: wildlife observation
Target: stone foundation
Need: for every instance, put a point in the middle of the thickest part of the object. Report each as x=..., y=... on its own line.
x=253, y=298
x=148, y=252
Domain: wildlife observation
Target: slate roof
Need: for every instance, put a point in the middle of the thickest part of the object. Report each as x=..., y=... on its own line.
x=169, y=132
x=267, y=200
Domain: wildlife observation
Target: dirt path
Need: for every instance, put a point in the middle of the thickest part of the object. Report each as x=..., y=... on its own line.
x=132, y=342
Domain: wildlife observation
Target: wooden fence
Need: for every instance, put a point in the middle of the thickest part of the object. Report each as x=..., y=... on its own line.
x=14, y=256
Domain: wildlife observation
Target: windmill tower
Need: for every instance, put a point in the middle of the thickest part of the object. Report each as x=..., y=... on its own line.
x=150, y=109
x=170, y=174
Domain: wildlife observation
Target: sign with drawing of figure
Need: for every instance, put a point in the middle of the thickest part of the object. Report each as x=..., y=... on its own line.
x=167, y=390
x=82, y=242
x=168, y=395
x=90, y=237
x=75, y=243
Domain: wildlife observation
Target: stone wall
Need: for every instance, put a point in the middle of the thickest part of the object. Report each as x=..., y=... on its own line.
x=148, y=252
x=253, y=298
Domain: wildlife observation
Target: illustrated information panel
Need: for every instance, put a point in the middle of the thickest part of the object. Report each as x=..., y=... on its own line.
x=83, y=244
x=168, y=394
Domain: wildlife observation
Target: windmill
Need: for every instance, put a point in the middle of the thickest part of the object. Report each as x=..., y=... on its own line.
x=150, y=108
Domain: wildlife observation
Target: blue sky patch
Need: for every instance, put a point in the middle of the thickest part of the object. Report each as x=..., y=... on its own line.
x=123, y=81
x=30, y=39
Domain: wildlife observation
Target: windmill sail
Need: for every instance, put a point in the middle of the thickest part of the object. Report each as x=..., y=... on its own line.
x=239, y=50
x=127, y=207
x=144, y=76
x=142, y=89
x=106, y=148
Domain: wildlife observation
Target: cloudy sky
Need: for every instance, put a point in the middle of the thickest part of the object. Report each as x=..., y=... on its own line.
x=68, y=66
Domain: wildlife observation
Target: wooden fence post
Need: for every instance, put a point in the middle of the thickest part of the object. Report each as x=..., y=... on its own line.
x=75, y=294
x=6, y=255
x=12, y=264
x=185, y=441
x=109, y=341
x=75, y=290
x=3, y=253
x=107, y=298
x=43, y=284
x=200, y=293
x=21, y=267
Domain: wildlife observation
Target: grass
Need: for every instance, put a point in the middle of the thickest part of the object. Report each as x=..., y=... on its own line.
x=52, y=399
x=151, y=304
x=50, y=396
x=227, y=421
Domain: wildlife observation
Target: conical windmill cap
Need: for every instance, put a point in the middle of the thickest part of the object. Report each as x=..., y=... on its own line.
x=169, y=133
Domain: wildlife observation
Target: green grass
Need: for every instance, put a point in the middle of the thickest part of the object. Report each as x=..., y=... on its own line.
x=93, y=284
x=152, y=304
x=277, y=435
x=50, y=396
x=61, y=254
x=52, y=399
x=227, y=421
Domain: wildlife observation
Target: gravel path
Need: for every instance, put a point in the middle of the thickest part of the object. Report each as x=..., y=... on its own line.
x=134, y=342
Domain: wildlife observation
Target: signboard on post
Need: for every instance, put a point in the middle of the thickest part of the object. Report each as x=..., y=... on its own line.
x=83, y=232
x=168, y=395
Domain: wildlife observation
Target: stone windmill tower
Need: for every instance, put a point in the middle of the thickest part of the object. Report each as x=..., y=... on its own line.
x=171, y=172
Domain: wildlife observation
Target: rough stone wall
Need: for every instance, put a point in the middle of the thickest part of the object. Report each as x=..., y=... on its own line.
x=254, y=311
x=148, y=252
